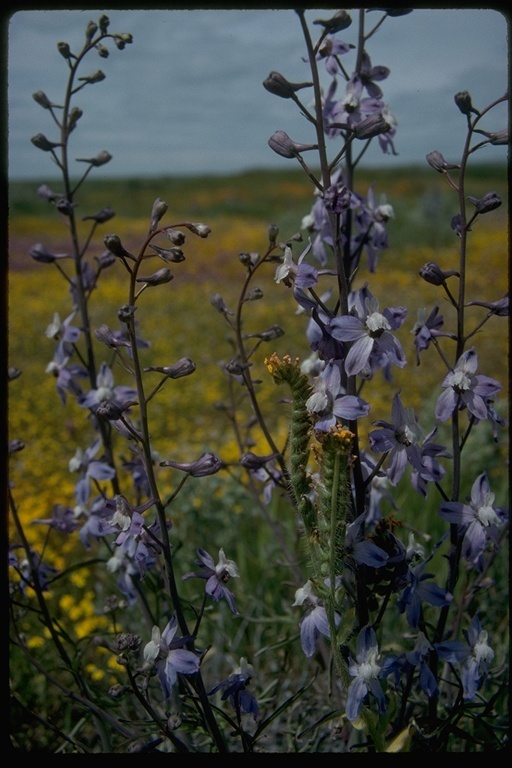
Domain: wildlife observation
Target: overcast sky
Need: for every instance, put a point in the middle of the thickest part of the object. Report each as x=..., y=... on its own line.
x=187, y=97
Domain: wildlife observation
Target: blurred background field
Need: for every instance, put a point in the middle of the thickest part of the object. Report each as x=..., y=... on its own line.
x=187, y=416
x=179, y=320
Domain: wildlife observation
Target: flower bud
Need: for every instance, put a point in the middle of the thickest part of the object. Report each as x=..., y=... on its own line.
x=46, y=193
x=499, y=307
x=489, y=202
x=236, y=368
x=281, y=143
x=102, y=216
x=273, y=232
x=64, y=50
x=157, y=278
x=114, y=245
x=108, y=410
x=271, y=333
x=100, y=159
x=217, y=303
x=248, y=259
x=438, y=163
x=65, y=206
x=340, y=20
x=42, y=99
x=173, y=722
x=16, y=445
x=254, y=295
x=13, y=373
x=174, y=255
x=105, y=259
x=203, y=230
x=41, y=142
x=158, y=210
x=90, y=31
x=280, y=86
x=206, y=464
x=126, y=312
x=433, y=274
x=500, y=137
x=371, y=126
x=103, y=22
x=183, y=367
x=116, y=691
x=250, y=460
x=175, y=236
x=106, y=336
x=73, y=118
x=122, y=40
x=44, y=256
x=102, y=51
x=96, y=77
x=463, y=101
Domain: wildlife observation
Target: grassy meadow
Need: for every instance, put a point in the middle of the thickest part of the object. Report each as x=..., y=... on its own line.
x=187, y=416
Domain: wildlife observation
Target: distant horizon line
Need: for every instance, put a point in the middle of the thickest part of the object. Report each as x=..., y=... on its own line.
x=246, y=171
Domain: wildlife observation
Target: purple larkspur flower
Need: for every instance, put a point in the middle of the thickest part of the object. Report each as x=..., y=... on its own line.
x=235, y=689
x=464, y=387
x=314, y=622
x=370, y=335
x=328, y=402
x=479, y=520
x=431, y=469
x=216, y=576
x=475, y=654
x=63, y=519
x=166, y=651
x=419, y=589
x=398, y=439
x=106, y=390
x=329, y=52
x=66, y=373
x=365, y=670
x=302, y=274
x=427, y=328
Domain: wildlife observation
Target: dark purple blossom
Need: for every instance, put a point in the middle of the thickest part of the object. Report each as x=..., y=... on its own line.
x=362, y=548
x=464, y=387
x=235, y=689
x=63, y=519
x=420, y=589
x=426, y=329
x=479, y=520
x=399, y=440
x=431, y=469
x=409, y=661
x=216, y=576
